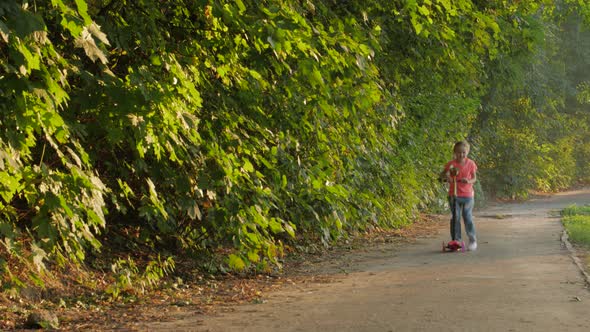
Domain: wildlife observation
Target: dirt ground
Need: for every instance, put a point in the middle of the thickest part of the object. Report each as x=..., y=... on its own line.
x=522, y=277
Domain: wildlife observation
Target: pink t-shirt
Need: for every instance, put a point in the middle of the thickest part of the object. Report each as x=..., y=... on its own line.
x=467, y=170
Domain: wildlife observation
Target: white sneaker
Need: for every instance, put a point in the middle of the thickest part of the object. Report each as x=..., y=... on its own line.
x=472, y=246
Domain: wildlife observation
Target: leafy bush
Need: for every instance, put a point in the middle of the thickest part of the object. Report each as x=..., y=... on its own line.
x=211, y=125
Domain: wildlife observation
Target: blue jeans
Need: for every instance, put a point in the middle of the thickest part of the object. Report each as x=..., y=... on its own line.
x=462, y=206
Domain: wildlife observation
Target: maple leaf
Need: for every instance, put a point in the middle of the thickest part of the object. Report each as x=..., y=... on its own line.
x=86, y=42
x=94, y=29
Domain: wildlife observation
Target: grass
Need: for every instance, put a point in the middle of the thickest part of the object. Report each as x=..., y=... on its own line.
x=576, y=220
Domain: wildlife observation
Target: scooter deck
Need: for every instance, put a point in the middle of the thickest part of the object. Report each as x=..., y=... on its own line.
x=453, y=246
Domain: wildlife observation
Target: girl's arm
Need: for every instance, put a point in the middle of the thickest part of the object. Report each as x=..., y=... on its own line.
x=472, y=180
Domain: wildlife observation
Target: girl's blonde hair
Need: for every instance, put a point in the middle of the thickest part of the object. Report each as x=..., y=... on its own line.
x=461, y=144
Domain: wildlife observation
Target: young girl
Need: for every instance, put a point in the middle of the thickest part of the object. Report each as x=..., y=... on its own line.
x=461, y=175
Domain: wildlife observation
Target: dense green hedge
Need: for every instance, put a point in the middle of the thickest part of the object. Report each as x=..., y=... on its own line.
x=248, y=124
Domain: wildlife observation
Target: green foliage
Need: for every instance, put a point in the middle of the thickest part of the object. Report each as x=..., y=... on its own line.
x=210, y=125
x=532, y=128
x=576, y=220
x=49, y=188
x=128, y=280
x=576, y=210
x=581, y=8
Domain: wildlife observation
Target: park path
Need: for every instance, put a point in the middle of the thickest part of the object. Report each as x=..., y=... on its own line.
x=521, y=278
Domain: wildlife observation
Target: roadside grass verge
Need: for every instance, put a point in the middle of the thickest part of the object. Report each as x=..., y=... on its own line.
x=576, y=220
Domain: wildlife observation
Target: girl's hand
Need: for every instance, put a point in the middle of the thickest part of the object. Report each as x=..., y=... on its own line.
x=465, y=180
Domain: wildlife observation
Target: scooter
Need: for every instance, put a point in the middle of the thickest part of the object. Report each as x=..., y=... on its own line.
x=454, y=246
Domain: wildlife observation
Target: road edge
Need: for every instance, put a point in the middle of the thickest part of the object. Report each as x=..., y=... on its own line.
x=574, y=255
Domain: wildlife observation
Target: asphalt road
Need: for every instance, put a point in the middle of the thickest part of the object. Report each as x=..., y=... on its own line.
x=521, y=278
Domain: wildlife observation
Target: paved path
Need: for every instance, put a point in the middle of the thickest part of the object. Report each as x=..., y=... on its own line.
x=521, y=278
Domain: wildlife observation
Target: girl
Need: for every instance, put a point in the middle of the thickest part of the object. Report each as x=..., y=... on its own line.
x=461, y=175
